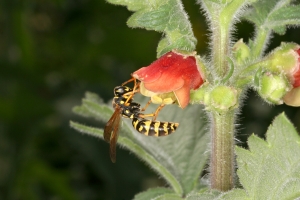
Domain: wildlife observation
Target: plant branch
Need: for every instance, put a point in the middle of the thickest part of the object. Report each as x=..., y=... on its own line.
x=222, y=24
x=222, y=124
x=247, y=74
x=260, y=42
x=220, y=42
x=222, y=155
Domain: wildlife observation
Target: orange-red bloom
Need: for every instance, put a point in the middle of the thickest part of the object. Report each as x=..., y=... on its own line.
x=292, y=98
x=172, y=72
x=296, y=74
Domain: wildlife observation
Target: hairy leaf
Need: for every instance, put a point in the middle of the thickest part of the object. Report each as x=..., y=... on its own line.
x=153, y=193
x=203, y=195
x=270, y=169
x=235, y=194
x=274, y=15
x=157, y=194
x=179, y=157
x=92, y=106
x=167, y=17
x=96, y=132
x=168, y=196
x=164, y=193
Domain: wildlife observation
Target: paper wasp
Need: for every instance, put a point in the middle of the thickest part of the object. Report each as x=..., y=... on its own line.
x=125, y=107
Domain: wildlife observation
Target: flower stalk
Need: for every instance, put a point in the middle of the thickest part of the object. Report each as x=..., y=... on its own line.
x=222, y=152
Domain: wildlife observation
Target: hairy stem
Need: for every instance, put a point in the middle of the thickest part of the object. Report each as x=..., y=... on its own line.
x=222, y=23
x=222, y=127
x=261, y=40
x=220, y=41
x=222, y=155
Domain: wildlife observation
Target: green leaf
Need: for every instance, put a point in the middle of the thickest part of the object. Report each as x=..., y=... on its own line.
x=152, y=193
x=167, y=17
x=92, y=106
x=169, y=196
x=158, y=194
x=179, y=157
x=235, y=194
x=271, y=168
x=274, y=15
x=165, y=193
x=280, y=18
x=87, y=130
x=204, y=195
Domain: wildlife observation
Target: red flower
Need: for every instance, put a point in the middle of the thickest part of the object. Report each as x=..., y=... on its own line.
x=172, y=72
x=296, y=74
x=292, y=98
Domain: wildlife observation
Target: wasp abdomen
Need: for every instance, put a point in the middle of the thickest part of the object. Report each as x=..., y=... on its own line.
x=154, y=128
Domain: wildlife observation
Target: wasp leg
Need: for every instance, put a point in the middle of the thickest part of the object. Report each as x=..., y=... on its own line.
x=146, y=115
x=129, y=95
x=130, y=80
x=146, y=106
x=157, y=111
x=153, y=115
x=135, y=86
x=134, y=90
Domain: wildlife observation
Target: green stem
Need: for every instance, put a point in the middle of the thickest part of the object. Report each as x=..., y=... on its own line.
x=247, y=75
x=222, y=155
x=222, y=128
x=221, y=41
x=261, y=39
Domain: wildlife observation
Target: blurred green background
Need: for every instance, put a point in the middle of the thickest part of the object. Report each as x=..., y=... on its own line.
x=51, y=52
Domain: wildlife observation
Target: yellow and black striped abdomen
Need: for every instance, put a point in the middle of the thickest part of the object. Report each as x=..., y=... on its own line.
x=154, y=128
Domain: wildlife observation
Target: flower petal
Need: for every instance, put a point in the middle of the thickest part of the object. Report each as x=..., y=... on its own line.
x=183, y=96
x=173, y=72
x=296, y=77
x=292, y=98
x=144, y=74
x=195, y=79
x=167, y=72
x=165, y=83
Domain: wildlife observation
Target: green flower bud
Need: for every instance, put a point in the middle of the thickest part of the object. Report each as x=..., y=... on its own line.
x=283, y=59
x=197, y=96
x=221, y=99
x=226, y=1
x=272, y=87
x=240, y=51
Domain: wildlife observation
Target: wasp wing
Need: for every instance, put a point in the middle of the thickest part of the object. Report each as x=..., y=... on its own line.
x=111, y=123
x=113, y=139
x=111, y=132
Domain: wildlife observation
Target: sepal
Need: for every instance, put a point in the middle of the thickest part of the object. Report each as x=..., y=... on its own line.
x=221, y=99
x=284, y=59
x=241, y=52
x=273, y=87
